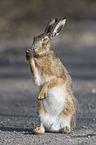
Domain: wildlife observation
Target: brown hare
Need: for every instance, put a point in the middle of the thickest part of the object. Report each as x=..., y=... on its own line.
x=56, y=102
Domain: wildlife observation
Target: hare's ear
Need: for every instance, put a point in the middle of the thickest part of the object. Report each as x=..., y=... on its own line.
x=58, y=27
x=50, y=25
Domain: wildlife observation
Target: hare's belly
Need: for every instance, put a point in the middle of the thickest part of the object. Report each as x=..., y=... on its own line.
x=55, y=101
x=54, y=104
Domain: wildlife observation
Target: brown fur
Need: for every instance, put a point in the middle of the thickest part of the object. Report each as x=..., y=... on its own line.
x=41, y=107
x=69, y=109
x=49, y=65
x=46, y=63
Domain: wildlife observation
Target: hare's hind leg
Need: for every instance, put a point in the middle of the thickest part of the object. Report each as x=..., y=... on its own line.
x=65, y=124
x=39, y=130
x=68, y=115
x=41, y=111
x=66, y=129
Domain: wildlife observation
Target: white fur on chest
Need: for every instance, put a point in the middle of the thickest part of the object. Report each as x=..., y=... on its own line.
x=40, y=80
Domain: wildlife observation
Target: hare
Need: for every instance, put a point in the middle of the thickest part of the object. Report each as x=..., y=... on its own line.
x=56, y=102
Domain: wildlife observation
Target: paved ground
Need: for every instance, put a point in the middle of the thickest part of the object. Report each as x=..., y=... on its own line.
x=18, y=94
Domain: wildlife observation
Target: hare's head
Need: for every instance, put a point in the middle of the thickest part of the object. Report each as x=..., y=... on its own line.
x=43, y=42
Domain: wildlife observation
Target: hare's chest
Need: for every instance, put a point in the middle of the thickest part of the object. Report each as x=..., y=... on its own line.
x=40, y=79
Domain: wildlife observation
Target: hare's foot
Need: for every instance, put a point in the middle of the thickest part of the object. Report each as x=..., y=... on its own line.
x=29, y=54
x=42, y=95
x=66, y=129
x=39, y=130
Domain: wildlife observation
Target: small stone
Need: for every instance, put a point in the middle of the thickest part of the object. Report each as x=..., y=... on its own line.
x=93, y=91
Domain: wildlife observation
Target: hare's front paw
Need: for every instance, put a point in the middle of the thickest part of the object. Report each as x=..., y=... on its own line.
x=42, y=95
x=29, y=54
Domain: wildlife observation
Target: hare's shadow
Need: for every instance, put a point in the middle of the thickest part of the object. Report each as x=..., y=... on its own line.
x=21, y=130
x=16, y=128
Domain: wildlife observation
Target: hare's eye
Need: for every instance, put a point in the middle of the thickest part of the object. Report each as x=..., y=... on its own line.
x=45, y=39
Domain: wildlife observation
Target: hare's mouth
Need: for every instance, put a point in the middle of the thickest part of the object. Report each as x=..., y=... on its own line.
x=33, y=50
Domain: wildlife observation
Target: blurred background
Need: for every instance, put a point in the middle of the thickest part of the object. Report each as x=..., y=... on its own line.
x=20, y=21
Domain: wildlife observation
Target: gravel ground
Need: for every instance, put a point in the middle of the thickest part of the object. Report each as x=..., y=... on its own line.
x=18, y=115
